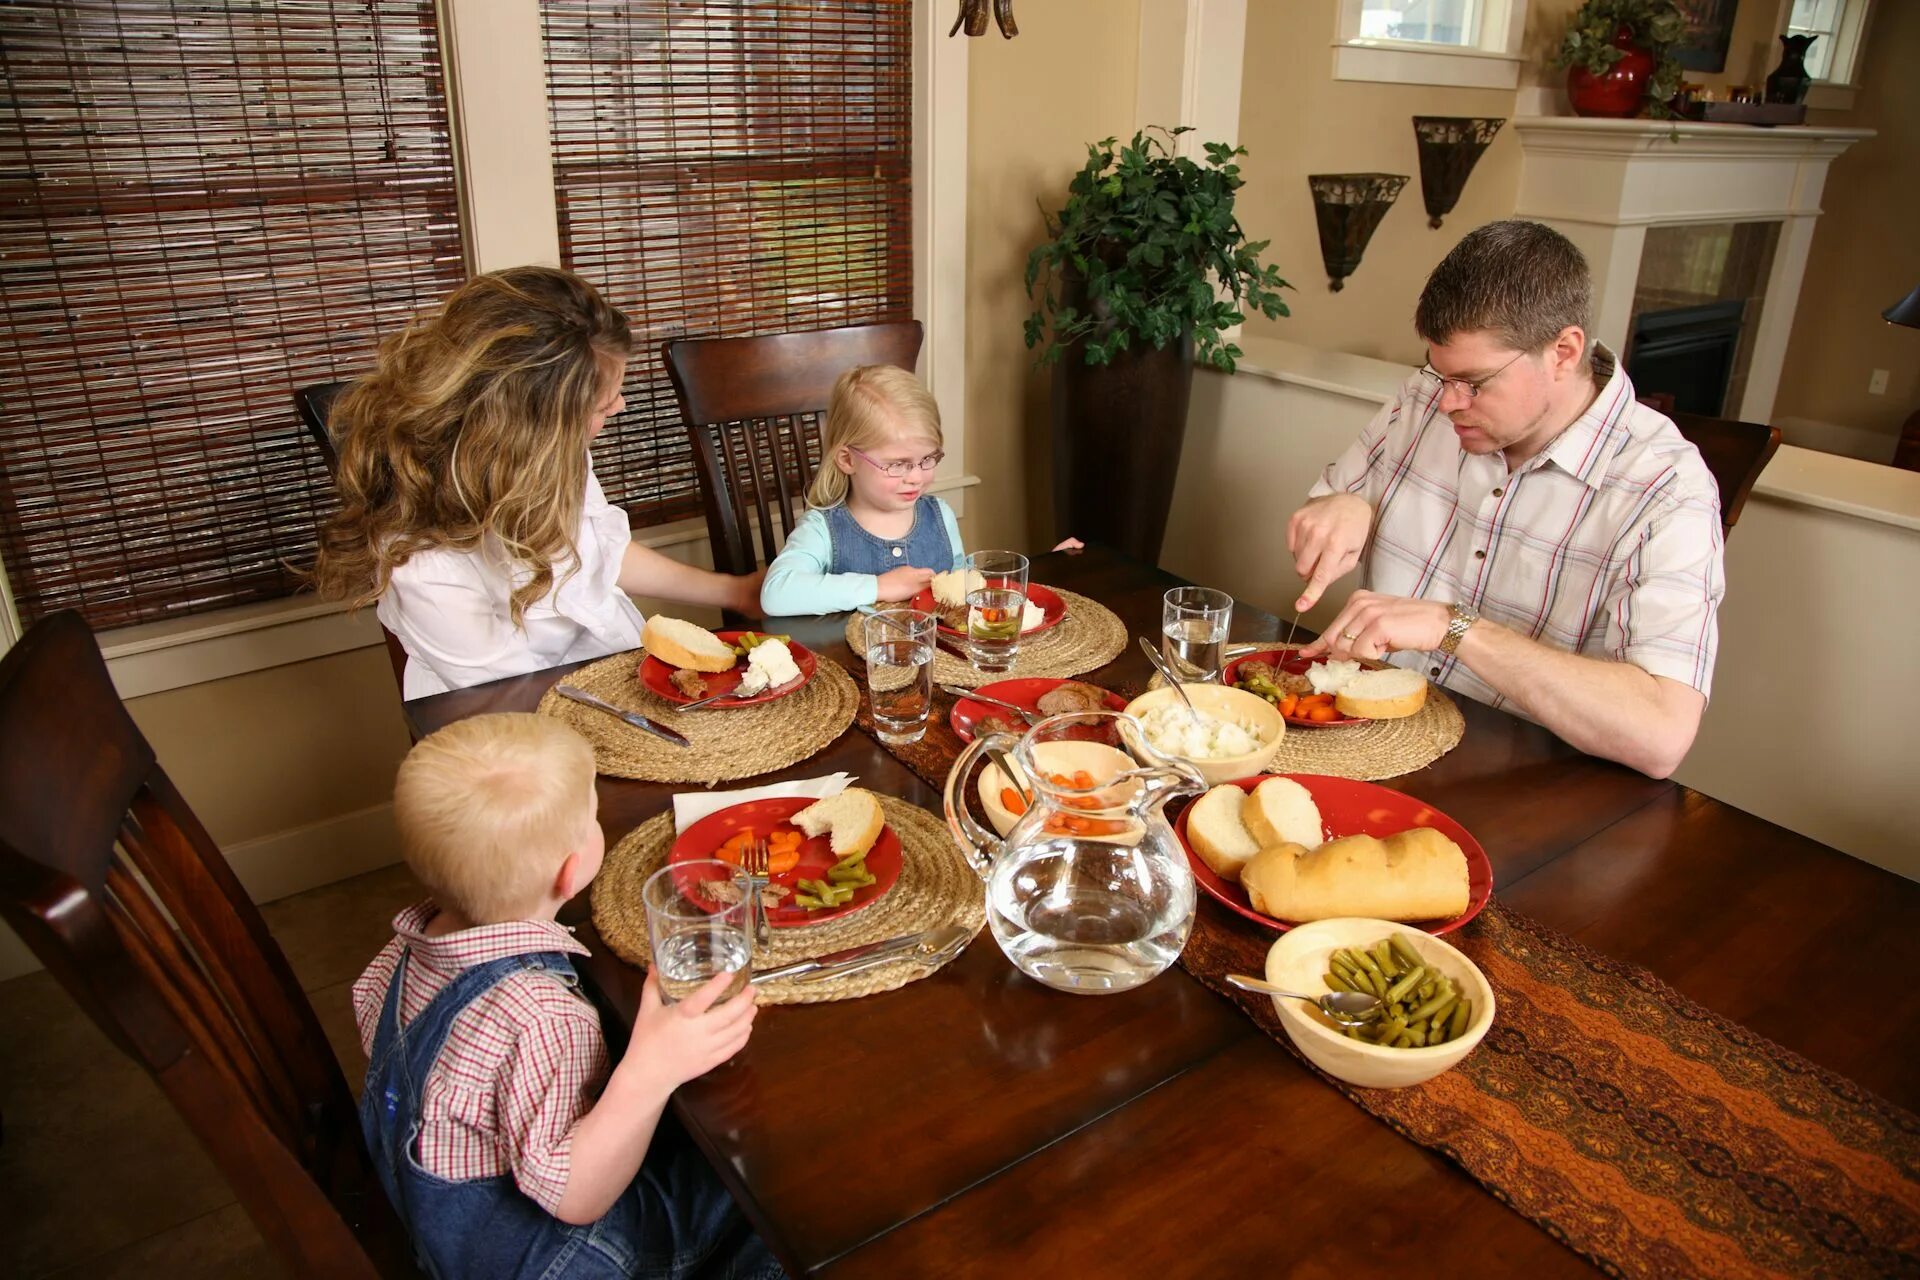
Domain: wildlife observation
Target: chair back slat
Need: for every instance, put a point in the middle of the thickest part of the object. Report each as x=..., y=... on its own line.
x=739, y=396
x=1735, y=452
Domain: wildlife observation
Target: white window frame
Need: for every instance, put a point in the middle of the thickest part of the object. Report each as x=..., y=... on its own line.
x=1836, y=92
x=1491, y=62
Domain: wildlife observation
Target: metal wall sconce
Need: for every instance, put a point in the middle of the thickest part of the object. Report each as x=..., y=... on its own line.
x=1347, y=207
x=973, y=16
x=1449, y=148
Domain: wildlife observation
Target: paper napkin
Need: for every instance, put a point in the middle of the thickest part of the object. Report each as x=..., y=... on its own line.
x=690, y=808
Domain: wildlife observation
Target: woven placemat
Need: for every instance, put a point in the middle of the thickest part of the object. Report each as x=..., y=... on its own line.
x=1088, y=638
x=936, y=887
x=738, y=742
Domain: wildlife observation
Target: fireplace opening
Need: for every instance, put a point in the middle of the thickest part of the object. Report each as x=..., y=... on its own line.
x=1687, y=352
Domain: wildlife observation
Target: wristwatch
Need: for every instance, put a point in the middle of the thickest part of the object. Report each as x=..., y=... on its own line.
x=1463, y=618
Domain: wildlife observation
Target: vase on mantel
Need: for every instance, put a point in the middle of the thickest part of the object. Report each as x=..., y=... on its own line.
x=1619, y=91
x=1790, y=81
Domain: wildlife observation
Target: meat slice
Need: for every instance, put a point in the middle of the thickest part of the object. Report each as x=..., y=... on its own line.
x=1073, y=696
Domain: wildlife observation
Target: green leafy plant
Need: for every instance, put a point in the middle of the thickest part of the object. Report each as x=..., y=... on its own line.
x=1143, y=251
x=1657, y=26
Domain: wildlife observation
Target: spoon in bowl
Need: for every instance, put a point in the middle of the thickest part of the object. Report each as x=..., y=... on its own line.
x=1348, y=1008
x=1166, y=673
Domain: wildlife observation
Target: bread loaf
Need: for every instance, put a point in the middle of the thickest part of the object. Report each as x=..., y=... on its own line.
x=1281, y=811
x=1218, y=833
x=679, y=643
x=1415, y=875
x=853, y=816
x=1387, y=694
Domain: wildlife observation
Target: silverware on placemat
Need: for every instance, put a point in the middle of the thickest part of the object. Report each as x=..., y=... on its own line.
x=924, y=947
x=633, y=718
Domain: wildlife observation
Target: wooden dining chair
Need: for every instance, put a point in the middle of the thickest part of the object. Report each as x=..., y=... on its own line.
x=109, y=878
x=1735, y=452
x=754, y=407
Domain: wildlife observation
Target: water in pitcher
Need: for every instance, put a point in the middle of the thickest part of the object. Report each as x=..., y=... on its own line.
x=1088, y=915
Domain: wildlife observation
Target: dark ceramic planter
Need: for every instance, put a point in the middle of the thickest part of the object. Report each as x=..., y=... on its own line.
x=1621, y=90
x=1117, y=431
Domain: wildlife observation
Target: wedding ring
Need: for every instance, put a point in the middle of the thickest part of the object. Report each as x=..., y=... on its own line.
x=1348, y=635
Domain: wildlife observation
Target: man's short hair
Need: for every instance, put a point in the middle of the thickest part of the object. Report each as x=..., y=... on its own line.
x=1520, y=281
x=489, y=807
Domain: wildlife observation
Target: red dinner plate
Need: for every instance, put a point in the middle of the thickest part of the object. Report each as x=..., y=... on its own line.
x=1052, y=608
x=1025, y=692
x=1289, y=660
x=762, y=817
x=1351, y=808
x=657, y=676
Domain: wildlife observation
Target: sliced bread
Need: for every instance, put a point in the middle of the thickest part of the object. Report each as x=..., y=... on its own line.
x=1281, y=811
x=679, y=643
x=1387, y=694
x=1217, y=833
x=853, y=817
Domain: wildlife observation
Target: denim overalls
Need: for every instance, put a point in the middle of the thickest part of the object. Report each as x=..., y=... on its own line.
x=674, y=1221
x=926, y=545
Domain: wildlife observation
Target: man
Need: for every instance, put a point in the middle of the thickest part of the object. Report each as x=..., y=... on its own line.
x=1527, y=533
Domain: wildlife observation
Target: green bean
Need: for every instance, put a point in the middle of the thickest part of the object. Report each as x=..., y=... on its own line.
x=1417, y=1037
x=1462, y=1014
x=1389, y=1029
x=1404, y=949
x=847, y=875
x=1335, y=982
x=808, y=901
x=1383, y=955
x=1437, y=1002
x=852, y=859
x=1398, y=991
x=1403, y=1041
x=1364, y=961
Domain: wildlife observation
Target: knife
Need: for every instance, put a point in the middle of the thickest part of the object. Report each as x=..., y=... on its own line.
x=926, y=943
x=633, y=718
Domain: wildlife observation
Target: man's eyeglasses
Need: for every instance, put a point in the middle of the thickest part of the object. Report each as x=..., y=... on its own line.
x=1438, y=383
x=901, y=469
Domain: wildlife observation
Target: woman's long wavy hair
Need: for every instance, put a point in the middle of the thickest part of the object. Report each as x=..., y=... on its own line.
x=473, y=424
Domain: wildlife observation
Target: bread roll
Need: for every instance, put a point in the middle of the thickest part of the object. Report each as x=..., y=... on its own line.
x=1414, y=875
x=679, y=643
x=1217, y=832
x=1382, y=695
x=853, y=817
x=1281, y=811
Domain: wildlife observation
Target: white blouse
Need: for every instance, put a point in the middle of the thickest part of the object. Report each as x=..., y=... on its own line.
x=449, y=608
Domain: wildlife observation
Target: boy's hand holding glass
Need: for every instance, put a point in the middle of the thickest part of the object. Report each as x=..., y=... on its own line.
x=903, y=583
x=690, y=1037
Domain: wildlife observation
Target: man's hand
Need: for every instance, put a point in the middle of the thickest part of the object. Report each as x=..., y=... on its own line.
x=1326, y=538
x=1372, y=626
x=903, y=583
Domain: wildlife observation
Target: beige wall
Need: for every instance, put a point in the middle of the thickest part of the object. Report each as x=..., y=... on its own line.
x=1872, y=199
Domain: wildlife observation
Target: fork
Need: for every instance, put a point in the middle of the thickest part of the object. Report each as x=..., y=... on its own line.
x=973, y=695
x=755, y=861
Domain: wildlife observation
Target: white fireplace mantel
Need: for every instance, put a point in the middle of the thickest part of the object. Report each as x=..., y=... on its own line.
x=1602, y=183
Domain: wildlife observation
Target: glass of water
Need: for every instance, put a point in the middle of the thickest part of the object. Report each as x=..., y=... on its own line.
x=996, y=606
x=899, y=654
x=1193, y=632
x=700, y=921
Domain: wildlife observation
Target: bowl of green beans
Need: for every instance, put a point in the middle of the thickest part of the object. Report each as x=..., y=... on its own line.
x=1438, y=1003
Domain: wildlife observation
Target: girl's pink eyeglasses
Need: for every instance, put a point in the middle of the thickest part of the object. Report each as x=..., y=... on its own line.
x=902, y=469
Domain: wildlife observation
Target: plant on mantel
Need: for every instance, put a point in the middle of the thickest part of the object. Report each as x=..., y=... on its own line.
x=1657, y=26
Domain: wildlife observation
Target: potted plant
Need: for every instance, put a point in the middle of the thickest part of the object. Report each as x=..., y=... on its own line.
x=1619, y=56
x=1140, y=273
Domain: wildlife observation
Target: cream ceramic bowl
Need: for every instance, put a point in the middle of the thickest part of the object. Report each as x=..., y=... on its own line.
x=1298, y=962
x=1250, y=710
x=1068, y=757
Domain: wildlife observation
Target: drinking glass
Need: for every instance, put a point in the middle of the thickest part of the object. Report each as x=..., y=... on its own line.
x=899, y=654
x=995, y=609
x=1193, y=632
x=700, y=920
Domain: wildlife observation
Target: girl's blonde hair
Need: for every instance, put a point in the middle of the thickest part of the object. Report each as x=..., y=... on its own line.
x=870, y=406
x=474, y=422
x=489, y=807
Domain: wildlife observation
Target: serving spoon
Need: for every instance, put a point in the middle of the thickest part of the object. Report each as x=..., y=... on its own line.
x=1166, y=673
x=1348, y=1008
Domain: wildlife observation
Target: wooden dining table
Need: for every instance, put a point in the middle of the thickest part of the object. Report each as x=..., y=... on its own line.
x=977, y=1122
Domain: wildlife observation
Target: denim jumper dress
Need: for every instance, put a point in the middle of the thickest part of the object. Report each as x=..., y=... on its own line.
x=926, y=545
x=674, y=1221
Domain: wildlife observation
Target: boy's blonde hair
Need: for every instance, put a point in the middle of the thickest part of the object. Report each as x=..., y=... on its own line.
x=871, y=405
x=489, y=807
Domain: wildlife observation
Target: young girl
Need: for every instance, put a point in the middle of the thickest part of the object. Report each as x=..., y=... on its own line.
x=872, y=533
x=468, y=504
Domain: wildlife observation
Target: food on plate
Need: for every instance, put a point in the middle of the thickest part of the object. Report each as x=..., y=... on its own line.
x=1332, y=676
x=1196, y=735
x=679, y=643
x=783, y=848
x=770, y=664
x=1417, y=874
x=747, y=641
x=690, y=683
x=1072, y=696
x=1269, y=681
x=853, y=818
x=1281, y=811
x=843, y=879
x=993, y=723
x=1217, y=830
x=1382, y=695
x=950, y=595
x=1423, y=1006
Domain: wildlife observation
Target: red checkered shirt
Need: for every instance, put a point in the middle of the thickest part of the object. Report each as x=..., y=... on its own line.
x=1606, y=543
x=521, y=1063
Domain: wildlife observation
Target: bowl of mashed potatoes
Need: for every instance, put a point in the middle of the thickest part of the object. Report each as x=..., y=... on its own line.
x=1234, y=734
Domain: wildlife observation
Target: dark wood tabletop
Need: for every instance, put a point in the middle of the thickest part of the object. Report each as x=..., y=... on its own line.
x=976, y=1122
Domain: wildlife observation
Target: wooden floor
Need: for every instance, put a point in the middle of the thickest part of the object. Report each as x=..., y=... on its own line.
x=98, y=1177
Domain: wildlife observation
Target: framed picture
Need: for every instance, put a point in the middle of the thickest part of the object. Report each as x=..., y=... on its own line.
x=1709, y=31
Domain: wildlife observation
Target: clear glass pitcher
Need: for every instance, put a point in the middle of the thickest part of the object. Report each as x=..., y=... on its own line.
x=1088, y=889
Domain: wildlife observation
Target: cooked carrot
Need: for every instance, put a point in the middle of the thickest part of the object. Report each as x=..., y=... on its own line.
x=1321, y=715
x=1012, y=801
x=1288, y=703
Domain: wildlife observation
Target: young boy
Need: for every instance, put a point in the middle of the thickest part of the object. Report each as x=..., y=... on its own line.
x=485, y=1059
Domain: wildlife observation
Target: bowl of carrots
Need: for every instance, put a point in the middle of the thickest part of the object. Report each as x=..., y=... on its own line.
x=1075, y=780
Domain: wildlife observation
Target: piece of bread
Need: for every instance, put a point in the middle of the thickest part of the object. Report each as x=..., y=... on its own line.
x=679, y=643
x=1413, y=875
x=1217, y=833
x=1382, y=695
x=1281, y=811
x=950, y=588
x=853, y=817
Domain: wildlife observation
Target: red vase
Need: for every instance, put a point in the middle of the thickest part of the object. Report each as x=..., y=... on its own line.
x=1621, y=90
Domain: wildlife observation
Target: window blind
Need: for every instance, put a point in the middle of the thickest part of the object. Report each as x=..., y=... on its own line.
x=203, y=205
x=727, y=168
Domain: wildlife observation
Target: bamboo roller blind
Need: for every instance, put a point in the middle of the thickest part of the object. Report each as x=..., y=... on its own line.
x=203, y=205
x=727, y=168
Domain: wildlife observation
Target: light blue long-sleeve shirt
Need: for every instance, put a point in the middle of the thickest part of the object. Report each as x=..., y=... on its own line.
x=802, y=580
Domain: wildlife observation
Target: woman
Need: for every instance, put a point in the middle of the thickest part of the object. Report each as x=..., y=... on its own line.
x=468, y=504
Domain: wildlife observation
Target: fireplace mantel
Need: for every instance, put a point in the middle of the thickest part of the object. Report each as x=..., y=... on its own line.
x=1604, y=182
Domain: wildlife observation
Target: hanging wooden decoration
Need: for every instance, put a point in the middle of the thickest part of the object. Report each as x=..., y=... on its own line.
x=1449, y=148
x=1347, y=207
